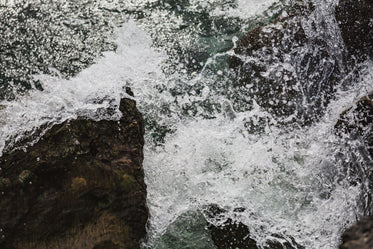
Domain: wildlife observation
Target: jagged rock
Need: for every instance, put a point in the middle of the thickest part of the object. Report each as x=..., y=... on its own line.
x=355, y=20
x=287, y=68
x=80, y=186
x=359, y=235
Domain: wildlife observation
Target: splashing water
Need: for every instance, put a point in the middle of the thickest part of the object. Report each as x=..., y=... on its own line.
x=199, y=150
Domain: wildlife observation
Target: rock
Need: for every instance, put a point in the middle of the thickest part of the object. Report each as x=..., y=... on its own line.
x=355, y=126
x=231, y=234
x=80, y=186
x=355, y=20
x=359, y=235
x=356, y=122
x=209, y=228
x=288, y=67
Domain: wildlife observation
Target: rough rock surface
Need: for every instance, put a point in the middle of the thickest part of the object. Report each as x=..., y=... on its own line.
x=355, y=18
x=359, y=236
x=80, y=186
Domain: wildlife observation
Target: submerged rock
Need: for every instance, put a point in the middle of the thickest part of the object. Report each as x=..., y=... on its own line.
x=80, y=186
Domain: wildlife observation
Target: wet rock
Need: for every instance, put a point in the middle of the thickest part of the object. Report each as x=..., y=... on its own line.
x=231, y=234
x=209, y=228
x=290, y=67
x=279, y=242
x=228, y=233
x=80, y=186
x=355, y=127
x=356, y=122
x=355, y=20
x=359, y=235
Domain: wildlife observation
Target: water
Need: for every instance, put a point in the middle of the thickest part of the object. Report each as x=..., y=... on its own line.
x=207, y=141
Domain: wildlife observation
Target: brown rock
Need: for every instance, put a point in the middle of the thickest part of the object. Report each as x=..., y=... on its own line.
x=80, y=186
x=359, y=235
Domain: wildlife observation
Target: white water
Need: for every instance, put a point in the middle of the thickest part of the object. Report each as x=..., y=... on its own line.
x=279, y=178
x=288, y=183
x=134, y=63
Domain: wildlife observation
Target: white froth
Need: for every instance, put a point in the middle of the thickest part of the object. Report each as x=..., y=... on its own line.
x=246, y=8
x=134, y=63
x=277, y=178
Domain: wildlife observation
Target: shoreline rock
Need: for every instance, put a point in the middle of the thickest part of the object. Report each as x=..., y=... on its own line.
x=80, y=186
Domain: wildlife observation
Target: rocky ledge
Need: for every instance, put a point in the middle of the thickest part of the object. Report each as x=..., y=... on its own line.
x=80, y=186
